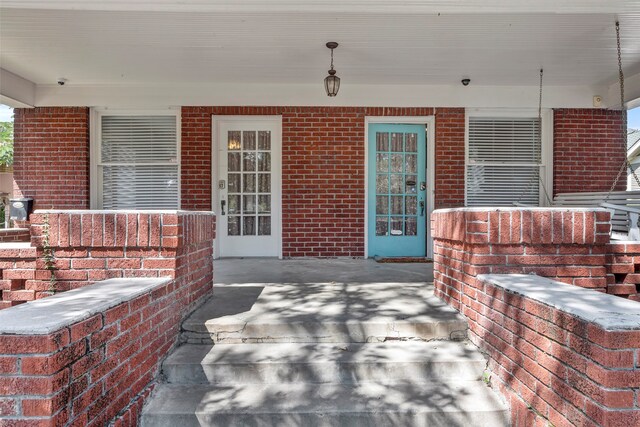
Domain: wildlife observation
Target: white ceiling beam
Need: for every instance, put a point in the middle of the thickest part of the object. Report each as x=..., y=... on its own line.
x=340, y=6
x=631, y=91
x=15, y=91
x=154, y=96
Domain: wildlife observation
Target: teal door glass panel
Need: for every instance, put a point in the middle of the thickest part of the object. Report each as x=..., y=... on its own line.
x=396, y=209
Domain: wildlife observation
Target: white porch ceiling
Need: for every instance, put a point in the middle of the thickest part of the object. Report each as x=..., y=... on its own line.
x=422, y=43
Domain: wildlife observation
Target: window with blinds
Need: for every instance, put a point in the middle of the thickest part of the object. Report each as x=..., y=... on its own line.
x=504, y=161
x=138, y=162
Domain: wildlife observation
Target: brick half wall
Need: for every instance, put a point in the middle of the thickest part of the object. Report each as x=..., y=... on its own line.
x=568, y=245
x=100, y=365
x=555, y=352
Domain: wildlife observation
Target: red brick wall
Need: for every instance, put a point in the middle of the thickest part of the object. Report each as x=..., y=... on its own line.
x=323, y=170
x=450, y=154
x=14, y=235
x=51, y=156
x=17, y=266
x=588, y=149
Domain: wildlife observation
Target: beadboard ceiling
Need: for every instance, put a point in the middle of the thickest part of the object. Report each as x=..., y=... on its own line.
x=493, y=42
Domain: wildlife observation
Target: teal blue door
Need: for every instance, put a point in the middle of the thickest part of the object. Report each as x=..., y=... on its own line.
x=397, y=190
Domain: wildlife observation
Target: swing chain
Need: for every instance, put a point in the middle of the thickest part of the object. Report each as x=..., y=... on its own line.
x=536, y=175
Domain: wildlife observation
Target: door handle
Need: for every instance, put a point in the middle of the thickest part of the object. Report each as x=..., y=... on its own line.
x=421, y=208
x=222, y=205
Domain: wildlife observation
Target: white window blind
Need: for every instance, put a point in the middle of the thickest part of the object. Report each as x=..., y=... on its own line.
x=138, y=167
x=504, y=161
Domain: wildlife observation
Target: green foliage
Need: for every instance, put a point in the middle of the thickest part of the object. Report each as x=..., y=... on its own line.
x=48, y=256
x=6, y=143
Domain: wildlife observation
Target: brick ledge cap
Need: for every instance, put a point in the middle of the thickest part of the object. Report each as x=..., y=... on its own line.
x=605, y=311
x=520, y=209
x=129, y=211
x=47, y=315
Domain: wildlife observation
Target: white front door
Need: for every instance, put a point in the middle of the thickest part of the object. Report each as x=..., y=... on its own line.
x=249, y=186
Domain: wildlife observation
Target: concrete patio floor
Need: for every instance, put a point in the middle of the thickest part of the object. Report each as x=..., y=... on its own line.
x=270, y=270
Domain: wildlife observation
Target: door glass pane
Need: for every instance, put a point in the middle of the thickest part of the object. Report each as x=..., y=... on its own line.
x=249, y=183
x=264, y=226
x=411, y=205
x=264, y=162
x=396, y=163
x=382, y=141
x=397, y=183
x=382, y=205
x=411, y=163
x=264, y=140
x=233, y=226
x=234, y=204
x=233, y=140
x=411, y=143
x=396, y=142
x=382, y=226
x=411, y=226
x=397, y=226
x=382, y=184
x=234, y=182
x=234, y=162
x=249, y=163
x=264, y=182
x=264, y=204
x=382, y=162
x=248, y=204
x=249, y=140
x=411, y=185
x=249, y=226
x=396, y=205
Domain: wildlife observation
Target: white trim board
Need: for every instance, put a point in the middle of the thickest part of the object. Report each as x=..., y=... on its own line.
x=430, y=123
x=353, y=95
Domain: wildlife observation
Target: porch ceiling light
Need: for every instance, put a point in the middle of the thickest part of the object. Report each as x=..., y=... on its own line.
x=332, y=82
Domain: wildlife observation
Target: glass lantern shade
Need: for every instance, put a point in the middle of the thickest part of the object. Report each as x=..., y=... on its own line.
x=332, y=83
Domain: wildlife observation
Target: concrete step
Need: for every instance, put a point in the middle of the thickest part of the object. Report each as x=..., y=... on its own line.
x=323, y=363
x=323, y=312
x=367, y=404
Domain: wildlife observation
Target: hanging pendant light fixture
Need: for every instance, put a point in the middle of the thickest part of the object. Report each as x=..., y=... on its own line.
x=332, y=82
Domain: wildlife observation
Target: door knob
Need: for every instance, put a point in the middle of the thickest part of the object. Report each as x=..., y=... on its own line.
x=421, y=207
x=222, y=205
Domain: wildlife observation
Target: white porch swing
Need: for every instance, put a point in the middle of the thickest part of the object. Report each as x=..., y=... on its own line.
x=623, y=205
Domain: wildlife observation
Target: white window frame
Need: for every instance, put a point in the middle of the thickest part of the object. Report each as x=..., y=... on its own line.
x=546, y=129
x=95, y=192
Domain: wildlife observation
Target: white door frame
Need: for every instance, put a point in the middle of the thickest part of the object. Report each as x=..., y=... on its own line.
x=276, y=175
x=430, y=123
